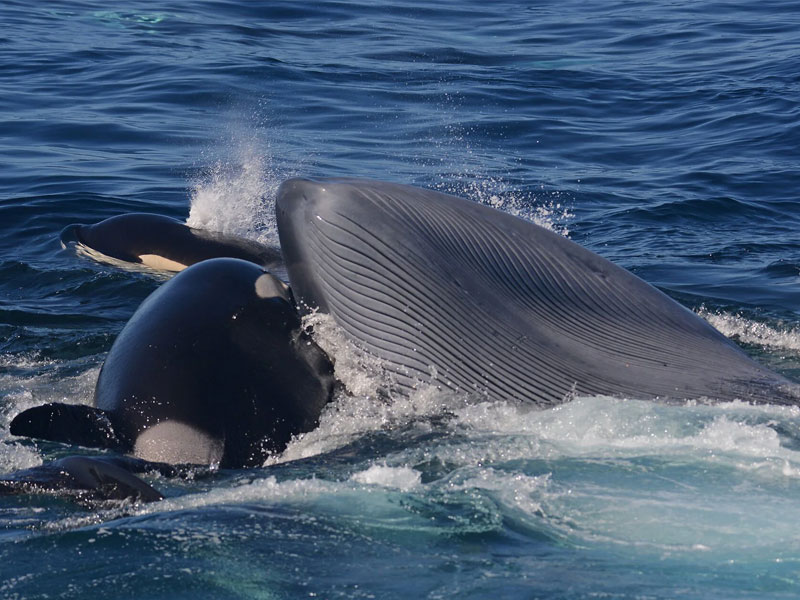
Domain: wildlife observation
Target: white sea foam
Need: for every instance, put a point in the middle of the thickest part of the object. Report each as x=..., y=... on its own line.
x=515, y=491
x=315, y=495
x=44, y=383
x=661, y=478
x=14, y=456
x=268, y=489
x=41, y=385
x=615, y=428
x=655, y=478
x=361, y=373
x=402, y=478
x=748, y=331
x=367, y=402
x=350, y=416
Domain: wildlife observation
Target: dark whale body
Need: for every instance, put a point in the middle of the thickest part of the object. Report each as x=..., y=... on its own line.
x=163, y=243
x=454, y=293
x=213, y=368
x=88, y=479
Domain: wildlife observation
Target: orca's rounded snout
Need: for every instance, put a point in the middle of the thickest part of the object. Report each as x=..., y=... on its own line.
x=71, y=234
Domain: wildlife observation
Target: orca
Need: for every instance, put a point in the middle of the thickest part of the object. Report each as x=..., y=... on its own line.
x=214, y=368
x=450, y=292
x=162, y=243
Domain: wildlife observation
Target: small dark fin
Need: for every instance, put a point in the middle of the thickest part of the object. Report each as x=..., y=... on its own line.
x=69, y=424
x=88, y=478
x=107, y=480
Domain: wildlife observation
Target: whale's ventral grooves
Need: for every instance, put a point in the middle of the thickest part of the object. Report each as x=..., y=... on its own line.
x=445, y=289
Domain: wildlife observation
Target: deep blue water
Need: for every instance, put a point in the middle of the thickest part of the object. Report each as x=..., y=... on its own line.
x=661, y=136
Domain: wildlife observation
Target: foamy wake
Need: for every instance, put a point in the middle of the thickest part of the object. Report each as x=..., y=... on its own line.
x=402, y=478
x=597, y=470
x=30, y=381
x=367, y=403
x=747, y=331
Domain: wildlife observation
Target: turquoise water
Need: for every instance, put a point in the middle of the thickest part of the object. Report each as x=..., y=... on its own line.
x=663, y=137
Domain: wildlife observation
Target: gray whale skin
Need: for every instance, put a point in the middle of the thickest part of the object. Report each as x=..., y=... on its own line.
x=454, y=293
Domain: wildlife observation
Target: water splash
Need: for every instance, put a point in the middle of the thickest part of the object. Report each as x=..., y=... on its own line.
x=748, y=331
x=548, y=210
x=664, y=480
x=402, y=478
x=236, y=197
x=28, y=381
x=235, y=192
x=361, y=373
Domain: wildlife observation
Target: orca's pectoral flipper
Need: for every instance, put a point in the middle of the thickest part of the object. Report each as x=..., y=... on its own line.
x=69, y=424
x=87, y=478
x=106, y=480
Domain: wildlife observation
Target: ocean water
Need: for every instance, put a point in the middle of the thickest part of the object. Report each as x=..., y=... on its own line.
x=663, y=136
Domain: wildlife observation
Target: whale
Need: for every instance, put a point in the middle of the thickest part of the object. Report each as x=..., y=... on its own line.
x=452, y=293
x=89, y=479
x=214, y=368
x=162, y=243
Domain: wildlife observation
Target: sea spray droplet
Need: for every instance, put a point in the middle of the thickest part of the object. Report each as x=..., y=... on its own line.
x=546, y=209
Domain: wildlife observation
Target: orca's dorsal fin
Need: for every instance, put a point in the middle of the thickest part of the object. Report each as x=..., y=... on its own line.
x=76, y=424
